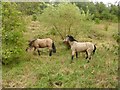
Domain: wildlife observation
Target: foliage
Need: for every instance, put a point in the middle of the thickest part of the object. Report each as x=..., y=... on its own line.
x=29, y=8
x=64, y=18
x=117, y=37
x=34, y=17
x=100, y=10
x=43, y=71
x=97, y=21
x=12, y=28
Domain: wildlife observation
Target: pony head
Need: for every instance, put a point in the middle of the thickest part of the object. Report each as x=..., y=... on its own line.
x=31, y=42
x=69, y=38
x=30, y=45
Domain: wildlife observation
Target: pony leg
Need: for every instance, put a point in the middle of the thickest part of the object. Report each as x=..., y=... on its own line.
x=50, y=54
x=50, y=51
x=38, y=52
x=76, y=54
x=73, y=53
x=86, y=54
x=89, y=56
x=35, y=48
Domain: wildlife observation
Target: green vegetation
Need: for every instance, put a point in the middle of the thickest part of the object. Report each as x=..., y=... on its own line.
x=62, y=18
x=12, y=28
x=23, y=22
x=100, y=10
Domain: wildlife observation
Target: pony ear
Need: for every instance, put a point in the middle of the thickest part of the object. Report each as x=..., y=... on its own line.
x=68, y=35
x=71, y=38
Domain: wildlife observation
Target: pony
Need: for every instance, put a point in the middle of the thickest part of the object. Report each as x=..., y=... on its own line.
x=42, y=43
x=76, y=47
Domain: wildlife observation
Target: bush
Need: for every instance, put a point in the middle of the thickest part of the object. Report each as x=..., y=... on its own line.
x=97, y=20
x=34, y=17
x=60, y=18
x=116, y=37
x=13, y=26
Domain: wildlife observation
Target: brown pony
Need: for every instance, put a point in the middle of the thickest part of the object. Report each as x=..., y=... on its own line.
x=76, y=47
x=42, y=43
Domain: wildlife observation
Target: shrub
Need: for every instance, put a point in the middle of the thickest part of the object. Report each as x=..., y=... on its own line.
x=13, y=26
x=116, y=37
x=97, y=20
x=34, y=17
x=61, y=19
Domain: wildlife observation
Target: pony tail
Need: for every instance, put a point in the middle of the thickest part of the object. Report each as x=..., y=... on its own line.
x=53, y=47
x=94, y=49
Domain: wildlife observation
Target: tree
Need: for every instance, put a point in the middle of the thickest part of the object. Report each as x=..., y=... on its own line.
x=100, y=10
x=30, y=8
x=63, y=18
x=114, y=9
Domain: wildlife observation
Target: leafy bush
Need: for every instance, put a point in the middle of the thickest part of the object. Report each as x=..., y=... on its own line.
x=114, y=18
x=13, y=26
x=34, y=17
x=64, y=18
x=97, y=21
x=117, y=37
x=100, y=10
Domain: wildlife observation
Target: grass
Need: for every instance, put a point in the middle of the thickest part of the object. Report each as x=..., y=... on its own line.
x=56, y=72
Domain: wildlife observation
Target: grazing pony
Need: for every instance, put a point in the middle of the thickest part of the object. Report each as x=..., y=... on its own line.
x=42, y=43
x=76, y=47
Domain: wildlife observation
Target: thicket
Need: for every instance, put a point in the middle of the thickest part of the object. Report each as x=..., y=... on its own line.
x=12, y=32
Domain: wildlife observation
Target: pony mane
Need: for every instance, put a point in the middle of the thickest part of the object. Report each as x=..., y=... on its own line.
x=31, y=42
x=71, y=38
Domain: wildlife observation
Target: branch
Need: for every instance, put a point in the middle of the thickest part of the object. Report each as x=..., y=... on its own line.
x=69, y=28
x=55, y=27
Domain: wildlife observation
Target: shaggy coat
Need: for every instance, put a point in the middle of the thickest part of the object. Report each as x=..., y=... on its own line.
x=42, y=43
x=76, y=47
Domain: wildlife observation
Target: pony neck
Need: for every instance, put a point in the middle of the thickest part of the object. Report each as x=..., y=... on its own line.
x=71, y=42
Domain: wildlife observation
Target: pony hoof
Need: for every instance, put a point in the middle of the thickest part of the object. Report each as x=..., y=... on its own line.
x=50, y=54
